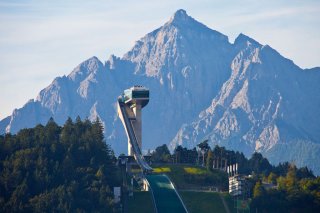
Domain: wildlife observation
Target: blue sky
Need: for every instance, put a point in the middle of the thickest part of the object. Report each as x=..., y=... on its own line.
x=40, y=40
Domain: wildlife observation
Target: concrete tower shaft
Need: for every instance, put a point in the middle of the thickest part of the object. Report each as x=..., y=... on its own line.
x=137, y=126
x=134, y=100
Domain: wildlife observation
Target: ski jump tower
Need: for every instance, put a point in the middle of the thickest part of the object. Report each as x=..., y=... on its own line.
x=130, y=104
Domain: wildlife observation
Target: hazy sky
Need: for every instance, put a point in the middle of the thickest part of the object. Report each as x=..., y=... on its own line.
x=40, y=40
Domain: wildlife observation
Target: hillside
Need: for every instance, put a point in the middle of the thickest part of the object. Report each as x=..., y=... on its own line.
x=186, y=177
x=52, y=168
x=207, y=202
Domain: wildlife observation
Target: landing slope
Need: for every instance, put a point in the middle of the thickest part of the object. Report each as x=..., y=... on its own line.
x=166, y=198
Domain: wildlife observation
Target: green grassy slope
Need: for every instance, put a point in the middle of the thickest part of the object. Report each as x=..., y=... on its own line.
x=205, y=202
x=190, y=177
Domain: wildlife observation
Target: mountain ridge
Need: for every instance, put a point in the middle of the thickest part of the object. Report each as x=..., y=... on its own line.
x=242, y=95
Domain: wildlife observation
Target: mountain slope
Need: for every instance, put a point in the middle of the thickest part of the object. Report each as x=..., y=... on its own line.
x=244, y=95
x=267, y=101
x=185, y=63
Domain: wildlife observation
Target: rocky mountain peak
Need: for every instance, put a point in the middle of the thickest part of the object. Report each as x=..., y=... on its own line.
x=244, y=40
x=182, y=21
x=90, y=65
x=180, y=16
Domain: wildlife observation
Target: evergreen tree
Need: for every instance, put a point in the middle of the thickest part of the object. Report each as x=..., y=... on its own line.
x=204, y=147
x=59, y=169
x=161, y=154
x=209, y=160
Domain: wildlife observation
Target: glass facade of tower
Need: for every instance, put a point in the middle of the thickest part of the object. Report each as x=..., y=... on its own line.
x=136, y=94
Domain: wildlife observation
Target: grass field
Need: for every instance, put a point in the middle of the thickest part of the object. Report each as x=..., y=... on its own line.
x=195, y=170
x=205, y=202
x=161, y=170
x=190, y=177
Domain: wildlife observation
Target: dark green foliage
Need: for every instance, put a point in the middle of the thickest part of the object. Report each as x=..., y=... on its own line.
x=52, y=168
x=258, y=190
x=161, y=155
x=204, y=146
x=209, y=161
x=296, y=189
x=141, y=202
x=184, y=155
x=259, y=164
x=293, y=194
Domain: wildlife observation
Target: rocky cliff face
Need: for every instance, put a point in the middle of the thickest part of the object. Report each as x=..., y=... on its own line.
x=264, y=104
x=244, y=95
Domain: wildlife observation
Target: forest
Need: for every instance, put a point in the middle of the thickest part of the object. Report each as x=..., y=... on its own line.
x=72, y=169
x=292, y=189
x=61, y=169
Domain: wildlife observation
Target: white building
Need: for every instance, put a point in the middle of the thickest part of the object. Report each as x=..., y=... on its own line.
x=237, y=185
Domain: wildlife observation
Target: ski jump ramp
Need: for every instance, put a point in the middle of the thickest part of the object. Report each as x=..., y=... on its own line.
x=165, y=196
